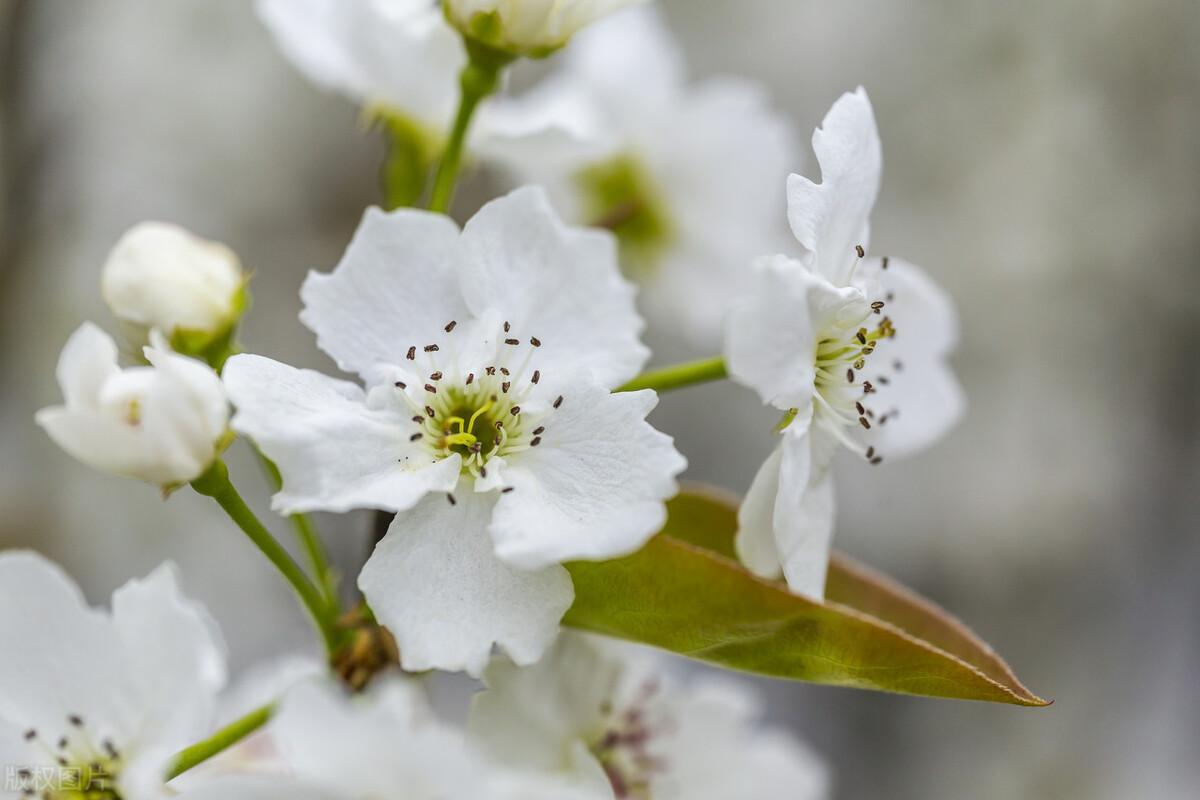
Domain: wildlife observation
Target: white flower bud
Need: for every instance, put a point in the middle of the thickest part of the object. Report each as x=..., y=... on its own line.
x=161, y=276
x=163, y=423
x=532, y=28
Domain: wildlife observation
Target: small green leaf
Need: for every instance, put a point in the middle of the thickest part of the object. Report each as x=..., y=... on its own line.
x=684, y=593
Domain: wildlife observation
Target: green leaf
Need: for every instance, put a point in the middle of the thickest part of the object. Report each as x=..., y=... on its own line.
x=684, y=592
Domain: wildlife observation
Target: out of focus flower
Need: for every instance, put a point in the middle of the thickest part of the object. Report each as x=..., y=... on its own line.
x=395, y=56
x=387, y=744
x=613, y=721
x=163, y=423
x=160, y=276
x=95, y=703
x=531, y=28
x=852, y=349
x=686, y=175
x=487, y=421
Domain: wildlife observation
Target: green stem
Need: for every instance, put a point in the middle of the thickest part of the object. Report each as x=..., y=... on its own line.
x=306, y=534
x=216, y=484
x=479, y=79
x=679, y=375
x=219, y=742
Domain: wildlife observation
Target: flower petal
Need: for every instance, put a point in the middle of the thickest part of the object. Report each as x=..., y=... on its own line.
x=559, y=284
x=533, y=717
x=333, y=451
x=180, y=655
x=399, y=54
x=594, y=489
x=755, y=541
x=831, y=218
x=804, y=511
x=773, y=327
x=395, y=287
x=44, y=617
x=88, y=359
x=438, y=587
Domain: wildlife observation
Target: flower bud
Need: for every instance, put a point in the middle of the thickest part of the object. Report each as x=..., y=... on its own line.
x=164, y=423
x=530, y=28
x=160, y=276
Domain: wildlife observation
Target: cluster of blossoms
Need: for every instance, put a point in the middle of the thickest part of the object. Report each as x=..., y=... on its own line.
x=497, y=417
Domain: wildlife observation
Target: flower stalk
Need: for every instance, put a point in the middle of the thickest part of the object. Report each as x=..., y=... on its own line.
x=678, y=376
x=479, y=78
x=196, y=754
x=215, y=483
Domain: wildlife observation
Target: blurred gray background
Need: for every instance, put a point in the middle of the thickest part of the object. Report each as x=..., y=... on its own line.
x=1042, y=160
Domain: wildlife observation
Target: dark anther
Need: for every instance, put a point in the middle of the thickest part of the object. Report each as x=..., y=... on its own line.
x=429, y=411
x=470, y=377
x=885, y=262
x=412, y=353
x=858, y=248
x=538, y=431
x=506, y=490
x=513, y=342
x=537, y=376
x=504, y=386
x=431, y=348
x=450, y=326
x=876, y=459
x=850, y=376
x=490, y=370
x=861, y=336
x=415, y=436
x=418, y=419
x=435, y=376
x=504, y=371
x=450, y=497
x=483, y=472
x=535, y=441
x=859, y=407
x=401, y=385
x=429, y=387
x=870, y=453
x=515, y=410
x=535, y=341
x=558, y=402
x=507, y=327
x=863, y=421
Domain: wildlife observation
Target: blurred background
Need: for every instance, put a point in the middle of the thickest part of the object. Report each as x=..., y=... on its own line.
x=1042, y=161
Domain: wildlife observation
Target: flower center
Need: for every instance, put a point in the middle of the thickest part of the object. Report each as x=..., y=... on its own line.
x=843, y=397
x=476, y=411
x=80, y=767
x=623, y=746
x=619, y=195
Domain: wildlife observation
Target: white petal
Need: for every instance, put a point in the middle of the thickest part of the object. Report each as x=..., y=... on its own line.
x=185, y=412
x=438, y=587
x=773, y=328
x=333, y=451
x=43, y=680
x=535, y=717
x=915, y=385
x=395, y=287
x=755, y=540
x=559, y=284
x=634, y=48
x=830, y=218
x=88, y=359
x=256, y=787
x=594, y=489
x=180, y=655
x=397, y=53
x=804, y=513
x=717, y=749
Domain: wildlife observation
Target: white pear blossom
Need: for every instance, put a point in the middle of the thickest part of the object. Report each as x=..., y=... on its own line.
x=386, y=744
x=161, y=276
x=163, y=423
x=686, y=174
x=487, y=421
x=532, y=28
x=852, y=349
x=94, y=703
x=395, y=55
x=612, y=719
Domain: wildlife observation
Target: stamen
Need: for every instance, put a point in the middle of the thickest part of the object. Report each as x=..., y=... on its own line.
x=885, y=262
x=863, y=421
x=415, y=436
x=558, y=402
x=858, y=249
x=507, y=327
x=418, y=419
x=401, y=385
x=538, y=431
x=490, y=370
x=504, y=371
x=435, y=376
x=429, y=410
x=535, y=441
x=449, y=326
x=535, y=341
x=470, y=378
x=537, y=376
x=506, y=489
x=429, y=387
x=450, y=497
x=515, y=410
x=850, y=376
x=431, y=348
x=412, y=353
x=504, y=386
x=513, y=342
